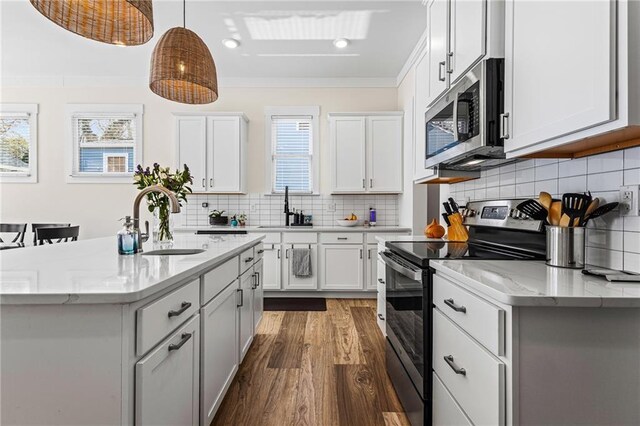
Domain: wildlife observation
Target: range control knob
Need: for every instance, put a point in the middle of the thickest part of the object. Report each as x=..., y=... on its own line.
x=471, y=212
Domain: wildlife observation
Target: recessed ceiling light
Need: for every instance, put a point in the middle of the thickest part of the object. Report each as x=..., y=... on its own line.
x=230, y=43
x=341, y=43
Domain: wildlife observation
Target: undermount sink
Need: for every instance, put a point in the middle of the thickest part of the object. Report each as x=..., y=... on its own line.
x=172, y=252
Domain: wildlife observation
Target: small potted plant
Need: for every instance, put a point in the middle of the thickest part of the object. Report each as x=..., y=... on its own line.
x=242, y=219
x=216, y=218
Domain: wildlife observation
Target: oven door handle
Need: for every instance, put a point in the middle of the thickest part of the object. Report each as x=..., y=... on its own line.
x=415, y=275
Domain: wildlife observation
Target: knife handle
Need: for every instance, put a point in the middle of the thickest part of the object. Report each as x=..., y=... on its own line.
x=446, y=219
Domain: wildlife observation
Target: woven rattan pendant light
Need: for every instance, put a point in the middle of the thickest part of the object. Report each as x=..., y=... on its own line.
x=121, y=22
x=182, y=68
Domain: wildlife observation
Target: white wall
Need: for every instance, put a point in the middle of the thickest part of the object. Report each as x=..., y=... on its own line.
x=97, y=207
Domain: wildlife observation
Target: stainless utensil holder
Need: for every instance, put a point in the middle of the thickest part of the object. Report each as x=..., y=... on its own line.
x=565, y=247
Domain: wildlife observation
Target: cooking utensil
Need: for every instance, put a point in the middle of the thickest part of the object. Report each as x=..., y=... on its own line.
x=533, y=209
x=573, y=207
x=601, y=210
x=593, y=205
x=555, y=213
x=545, y=200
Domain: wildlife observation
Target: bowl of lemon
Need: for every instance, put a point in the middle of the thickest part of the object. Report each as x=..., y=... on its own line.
x=351, y=220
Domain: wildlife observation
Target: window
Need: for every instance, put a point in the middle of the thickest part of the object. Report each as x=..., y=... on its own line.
x=106, y=142
x=18, y=135
x=292, y=136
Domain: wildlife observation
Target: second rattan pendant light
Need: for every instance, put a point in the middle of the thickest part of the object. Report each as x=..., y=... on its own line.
x=122, y=22
x=182, y=68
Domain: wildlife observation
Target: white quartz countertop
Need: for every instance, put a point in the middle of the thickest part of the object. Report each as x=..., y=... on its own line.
x=407, y=238
x=532, y=283
x=92, y=271
x=253, y=229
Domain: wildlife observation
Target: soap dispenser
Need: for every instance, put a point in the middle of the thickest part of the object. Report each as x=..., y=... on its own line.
x=127, y=237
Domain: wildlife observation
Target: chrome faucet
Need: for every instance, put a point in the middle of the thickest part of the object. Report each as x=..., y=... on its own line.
x=175, y=208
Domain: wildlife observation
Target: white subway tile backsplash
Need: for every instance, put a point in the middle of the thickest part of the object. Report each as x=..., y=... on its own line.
x=525, y=190
x=632, y=242
x=632, y=158
x=599, y=182
x=572, y=167
x=605, y=239
x=550, y=186
x=631, y=177
x=607, y=162
x=572, y=184
x=632, y=262
x=604, y=258
x=526, y=175
x=547, y=171
x=507, y=178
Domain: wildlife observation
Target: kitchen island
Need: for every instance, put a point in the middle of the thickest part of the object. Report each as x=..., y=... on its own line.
x=91, y=337
x=520, y=342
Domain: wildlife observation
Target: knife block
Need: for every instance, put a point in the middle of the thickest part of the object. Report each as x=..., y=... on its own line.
x=457, y=231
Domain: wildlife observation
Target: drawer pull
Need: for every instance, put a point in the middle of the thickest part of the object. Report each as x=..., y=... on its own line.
x=381, y=317
x=380, y=280
x=260, y=251
x=176, y=346
x=183, y=307
x=449, y=360
x=450, y=303
x=343, y=238
x=248, y=259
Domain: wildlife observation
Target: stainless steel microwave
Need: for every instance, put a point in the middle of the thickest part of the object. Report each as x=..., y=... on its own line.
x=463, y=128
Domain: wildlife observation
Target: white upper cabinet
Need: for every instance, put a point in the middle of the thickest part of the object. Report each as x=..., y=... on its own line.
x=214, y=147
x=348, y=154
x=437, y=27
x=190, y=139
x=559, y=69
x=366, y=152
x=467, y=36
x=384, y=153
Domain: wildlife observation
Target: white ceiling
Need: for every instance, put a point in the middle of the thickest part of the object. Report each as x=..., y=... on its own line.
x=280, y=41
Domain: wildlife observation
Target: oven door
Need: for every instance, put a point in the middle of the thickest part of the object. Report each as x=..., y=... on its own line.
x=407, y=298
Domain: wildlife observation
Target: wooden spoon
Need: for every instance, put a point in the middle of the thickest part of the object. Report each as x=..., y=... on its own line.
x=555, y=211
x=592, y=206
x=546, y=200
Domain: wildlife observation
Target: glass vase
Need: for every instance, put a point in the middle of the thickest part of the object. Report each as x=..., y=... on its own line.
x=162, y=226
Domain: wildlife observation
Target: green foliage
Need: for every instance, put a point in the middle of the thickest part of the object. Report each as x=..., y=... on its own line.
x=216, y=213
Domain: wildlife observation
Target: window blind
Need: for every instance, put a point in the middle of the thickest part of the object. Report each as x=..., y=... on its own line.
x=99, y=137
x=292, y=146
x=15, y=142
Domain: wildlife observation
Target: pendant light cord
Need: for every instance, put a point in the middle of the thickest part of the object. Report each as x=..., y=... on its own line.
x=184, y=13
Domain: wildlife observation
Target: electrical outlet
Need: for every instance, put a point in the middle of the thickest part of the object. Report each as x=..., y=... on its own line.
x=205, y=205
x=253, y=208
x=629, y=200
x=331, y=207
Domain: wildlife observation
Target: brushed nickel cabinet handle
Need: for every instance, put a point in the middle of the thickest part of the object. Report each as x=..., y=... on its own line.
x=184, y=338
x=504, y=125
x=204, y=183
x=441, y=66
x=183, y=307
x=458, y=308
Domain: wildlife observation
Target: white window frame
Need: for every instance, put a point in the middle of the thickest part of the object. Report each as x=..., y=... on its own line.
x=71, y=110
x=30, y=110
x=292, y=111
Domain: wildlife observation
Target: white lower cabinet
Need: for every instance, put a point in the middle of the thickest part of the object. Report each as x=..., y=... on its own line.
x=342, y=266
x=382, y=296
x=371, y=269
x=446, y=411
x=168, y=380
x=294, y=282
x=258, y=294
x=245, y=311
x=219, y=349
x=272, y=269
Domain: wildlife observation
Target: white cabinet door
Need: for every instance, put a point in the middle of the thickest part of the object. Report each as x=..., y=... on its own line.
x=348, y=155
x=467, y=35
x=293, y=282
x=384, y=153
x=245, y=311
x=272, y=267
x=258, y=294
x=559, y=76
x=219, y=349
x=371, y=276
x=342, y=266
x=437, y=18
x=225, y=144
x=168, y=380
x=191, y=146
x=382, y=296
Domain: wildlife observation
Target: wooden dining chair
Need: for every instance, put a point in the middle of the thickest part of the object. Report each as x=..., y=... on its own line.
x=35, y=226
x=19, y=228
x=65, y=233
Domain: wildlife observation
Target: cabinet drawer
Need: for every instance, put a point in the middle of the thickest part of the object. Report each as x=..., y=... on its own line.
x=479, y=318
x=159, y=318
x=341, y=237
x=247, y=258
x=446, y=410
x=300, y=237
x=272, y=238
x=219, y=278
x=475, y=378
x=259, y=252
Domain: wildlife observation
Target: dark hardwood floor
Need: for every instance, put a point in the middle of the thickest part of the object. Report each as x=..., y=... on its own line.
x=315, y=368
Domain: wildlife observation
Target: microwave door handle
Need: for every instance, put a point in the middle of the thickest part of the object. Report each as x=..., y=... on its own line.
x=456, y=136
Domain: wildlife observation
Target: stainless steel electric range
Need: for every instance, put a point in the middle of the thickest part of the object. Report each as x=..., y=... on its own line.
x=497, y=231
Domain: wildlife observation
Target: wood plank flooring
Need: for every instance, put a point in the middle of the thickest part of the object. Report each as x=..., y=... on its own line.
x=315, y=369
